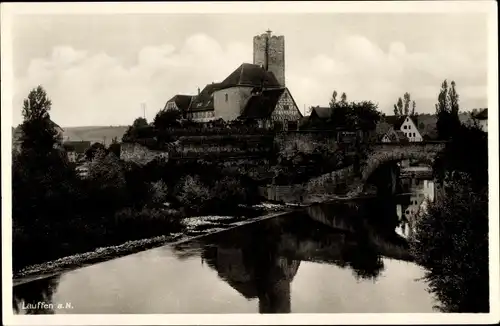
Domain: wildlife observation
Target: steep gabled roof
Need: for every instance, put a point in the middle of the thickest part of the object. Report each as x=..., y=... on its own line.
x=182, y=101
x=322, y=112
x=250, y=75
x=396, y=120
x=396, y=135
x=482, y=115
x=262, y=105
x=205, y=100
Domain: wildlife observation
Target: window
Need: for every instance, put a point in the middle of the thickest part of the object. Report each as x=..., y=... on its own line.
x=404, y=127
x=285, y=107
x=227, y=97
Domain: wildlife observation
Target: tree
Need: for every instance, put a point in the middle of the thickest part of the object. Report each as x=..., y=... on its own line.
x=364, y=115
x=93, y=149
x=468, y=142
x=343, y=98
x=447, y=111
x=140, y=122
x=452, y=237
x=44, y=184
x=158, y=192
x=398, y=108
x=452, y=245
x=38, y=131
x=115, y=148
x=167, y=118
x=333, y=101
x=407, y=100
x=193, y=193
x=107, y=179
x=403, y=106
x=139, y=129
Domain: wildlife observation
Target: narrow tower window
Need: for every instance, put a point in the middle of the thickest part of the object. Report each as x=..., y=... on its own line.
x=227, y=98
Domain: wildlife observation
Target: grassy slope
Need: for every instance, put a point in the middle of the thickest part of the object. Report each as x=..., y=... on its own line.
x=94, y=133
x=429, y=122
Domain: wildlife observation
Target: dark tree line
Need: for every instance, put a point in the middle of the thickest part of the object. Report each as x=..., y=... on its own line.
x=452, y=237
x=55, y=212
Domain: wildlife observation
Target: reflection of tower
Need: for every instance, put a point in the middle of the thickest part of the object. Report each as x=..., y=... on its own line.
x=256, y=273
x=274, y=289
x=269, y=52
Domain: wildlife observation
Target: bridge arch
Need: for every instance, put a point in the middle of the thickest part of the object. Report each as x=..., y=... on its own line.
x=385, y=153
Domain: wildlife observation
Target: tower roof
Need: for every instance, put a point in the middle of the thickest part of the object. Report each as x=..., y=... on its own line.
x=250, y=75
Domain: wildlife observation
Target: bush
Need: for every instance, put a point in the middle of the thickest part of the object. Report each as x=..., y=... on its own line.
x=452, y=244
x=193, y=195
x=159, y=192
x=107, y=181
x=229, y=191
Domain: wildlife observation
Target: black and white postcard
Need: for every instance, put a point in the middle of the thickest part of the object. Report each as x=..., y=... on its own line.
x=250, y=163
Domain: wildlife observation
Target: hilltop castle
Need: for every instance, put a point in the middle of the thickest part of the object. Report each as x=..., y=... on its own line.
x=254, y=91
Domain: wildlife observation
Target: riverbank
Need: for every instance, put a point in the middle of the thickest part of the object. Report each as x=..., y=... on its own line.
x=66, y=264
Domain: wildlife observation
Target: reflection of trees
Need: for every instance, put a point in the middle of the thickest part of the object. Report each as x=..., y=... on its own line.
x=26, y=297
x=364, y=259
x=381, y=213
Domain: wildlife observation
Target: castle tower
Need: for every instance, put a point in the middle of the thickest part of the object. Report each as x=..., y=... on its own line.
x=269, y=52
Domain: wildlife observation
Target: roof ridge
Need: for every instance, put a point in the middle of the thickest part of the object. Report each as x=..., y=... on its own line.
x=241, y=73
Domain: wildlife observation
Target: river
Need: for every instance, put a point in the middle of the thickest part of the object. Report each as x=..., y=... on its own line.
x=348, y=257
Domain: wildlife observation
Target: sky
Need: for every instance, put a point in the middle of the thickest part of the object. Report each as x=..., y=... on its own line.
x=98, y=69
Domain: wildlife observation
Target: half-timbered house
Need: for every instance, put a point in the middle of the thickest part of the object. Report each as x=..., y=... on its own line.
x=272, y=108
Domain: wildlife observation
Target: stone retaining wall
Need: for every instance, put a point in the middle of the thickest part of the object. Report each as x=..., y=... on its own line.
x=133, y=152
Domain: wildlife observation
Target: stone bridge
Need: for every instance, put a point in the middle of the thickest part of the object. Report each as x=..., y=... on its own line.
x=383, y=153
x=320, y=188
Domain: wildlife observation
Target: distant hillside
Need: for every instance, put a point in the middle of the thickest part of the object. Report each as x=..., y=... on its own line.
x=94, y=133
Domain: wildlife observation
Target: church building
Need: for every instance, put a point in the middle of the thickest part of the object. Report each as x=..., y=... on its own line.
x=253, y=91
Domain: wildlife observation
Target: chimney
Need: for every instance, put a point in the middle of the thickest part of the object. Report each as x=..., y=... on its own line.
x=198, y=91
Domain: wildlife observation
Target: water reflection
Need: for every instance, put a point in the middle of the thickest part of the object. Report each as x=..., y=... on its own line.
x=258, y=263
x=412, y=205
x=263, y=261
x=35, y=297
